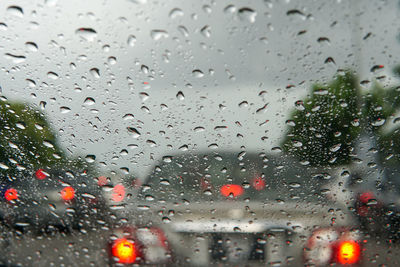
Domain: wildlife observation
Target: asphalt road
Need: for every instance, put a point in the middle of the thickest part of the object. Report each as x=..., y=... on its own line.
x=90, y=249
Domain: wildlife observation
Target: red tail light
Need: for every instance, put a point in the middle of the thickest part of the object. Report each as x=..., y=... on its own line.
x=140, y=245
x=366, y=197
x=234, y=190
x=118, y=193
x=348, y=252
x=11, y=194
x=67, y=193
x=124, y=250
x=333, y=245
x=41, y=174
x=258, y=183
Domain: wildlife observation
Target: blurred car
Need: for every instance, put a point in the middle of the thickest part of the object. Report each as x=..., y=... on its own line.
x=50, y=199
x=377, y=202
x=224, y=208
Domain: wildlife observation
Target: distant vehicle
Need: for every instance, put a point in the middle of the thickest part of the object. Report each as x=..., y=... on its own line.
x=377, y=202
x=224, y=208
x=50, y=199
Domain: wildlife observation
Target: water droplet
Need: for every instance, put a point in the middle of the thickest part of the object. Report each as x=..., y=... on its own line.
x=52, y=75
x=199, y=129
x=184, y=148
x=183, y=30
x=15, y=58
x=132, y=40
x=3, y=26
x=151, y=143
x=112, y=60
x=90, y=158
x=323, y=40
x=236, y=229
x=135, y=133
x=158, y=34
x=230, y=9
x=299, y=105
x=128, y=117
x=3, y=166
x=213, y=146
x=329, y=60
x=95, y=72
x=167, y=159
x=89, y=101
x=31, y=46
x=247, y=14
x=206, y=31
x=295, y=185
x=64, y=110
x=297, y=143
x=262, y=109
x=48, y=144
x=180, y=95
x=335, y=148
x=144, y=69
x=355, y=122
x=15, y=11
x=290, y=123
x=376, y=68
x=198, y=73
x=296, y=12
x=87, y=34
x=166, y=220
x=176, y=12
x=21, y=125
x=42, y=105
x=378, y=122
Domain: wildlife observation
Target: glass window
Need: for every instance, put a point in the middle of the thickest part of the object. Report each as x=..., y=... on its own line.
x=199, y=133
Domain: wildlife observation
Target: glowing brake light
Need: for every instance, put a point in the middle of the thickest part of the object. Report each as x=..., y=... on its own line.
x=118, y=193
x=124, y=250
x=67, y=193
x=366, y=197
x=333, y=245
x=11, y=194
x=41, y=174
x=258, y=183
x=231, y=190
x=348, y=252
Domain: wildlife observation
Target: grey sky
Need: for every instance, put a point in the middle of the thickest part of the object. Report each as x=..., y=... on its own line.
x=242, y=47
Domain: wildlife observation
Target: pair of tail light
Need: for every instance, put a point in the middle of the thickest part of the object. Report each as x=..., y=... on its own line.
x=330, y=245
x=67, y=194
x=142, y=244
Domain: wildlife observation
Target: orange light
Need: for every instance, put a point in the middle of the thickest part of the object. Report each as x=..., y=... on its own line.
x=231, y=190
x=348, y=252
x=118, y=193
x=124, y=250
x=41, y=174
x=11, y=194
x=67, y=193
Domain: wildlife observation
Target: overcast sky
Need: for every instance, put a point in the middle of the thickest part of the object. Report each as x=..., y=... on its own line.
x=263, y=55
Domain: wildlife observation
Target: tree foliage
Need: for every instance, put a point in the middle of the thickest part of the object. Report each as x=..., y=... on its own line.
x=326, y=125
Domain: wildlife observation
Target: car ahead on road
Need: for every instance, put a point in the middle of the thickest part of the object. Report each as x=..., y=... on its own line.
x=50, y=199
x=377, y=202
x=241, y=209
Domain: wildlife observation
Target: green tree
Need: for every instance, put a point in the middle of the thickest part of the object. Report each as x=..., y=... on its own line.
x=325, y=126
x=27, y=141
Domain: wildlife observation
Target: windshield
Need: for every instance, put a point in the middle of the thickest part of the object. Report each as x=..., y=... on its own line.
x=199, y=133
